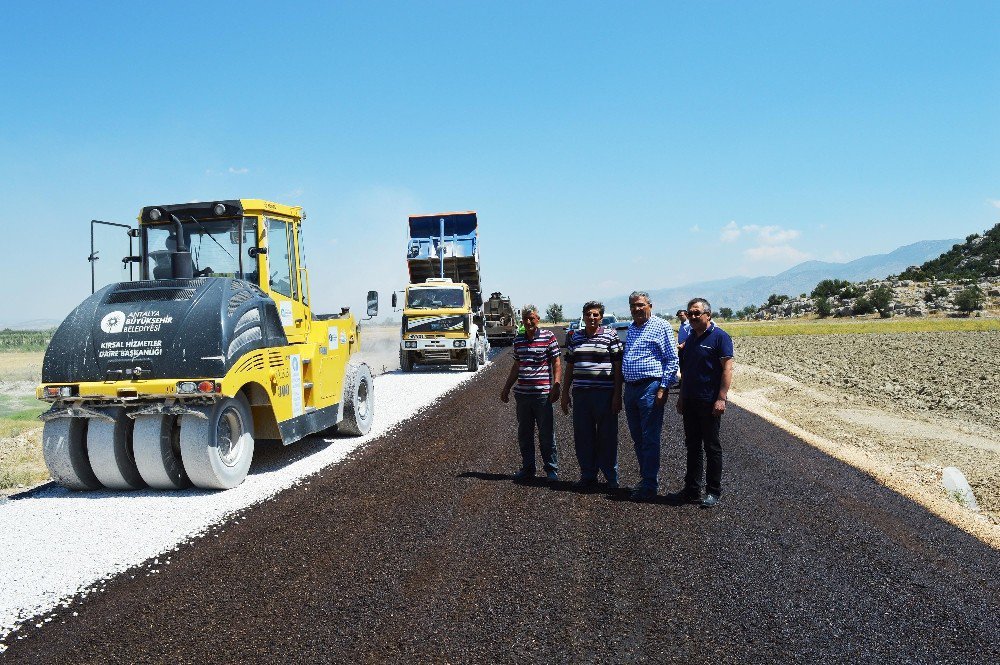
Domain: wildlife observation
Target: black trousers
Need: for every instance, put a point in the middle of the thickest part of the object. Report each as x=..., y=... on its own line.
x=701, y=436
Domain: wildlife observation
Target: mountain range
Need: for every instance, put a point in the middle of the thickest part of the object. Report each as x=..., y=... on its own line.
x=738, y=292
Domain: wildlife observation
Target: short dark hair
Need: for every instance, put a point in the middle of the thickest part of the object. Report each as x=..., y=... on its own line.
x=705, y=305
x=680, y=311
x=593, y=304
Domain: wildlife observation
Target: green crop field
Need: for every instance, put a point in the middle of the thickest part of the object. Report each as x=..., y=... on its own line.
x=856, y=326
x=24, y=340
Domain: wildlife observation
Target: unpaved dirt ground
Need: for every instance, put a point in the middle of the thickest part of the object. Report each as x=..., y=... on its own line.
x=915, y=402
x=422, y=549
x=380, y=348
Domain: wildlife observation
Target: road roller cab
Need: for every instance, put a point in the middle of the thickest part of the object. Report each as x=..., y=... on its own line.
x=169, y=380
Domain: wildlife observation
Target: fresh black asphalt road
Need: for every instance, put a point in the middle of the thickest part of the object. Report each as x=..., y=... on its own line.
x=420, y=548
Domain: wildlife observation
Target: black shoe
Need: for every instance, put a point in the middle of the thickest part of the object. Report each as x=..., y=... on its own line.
x=612, y=485
x=524, y=475
x=710, y=501
x=642, y=494
x=585, y=483
x=552, y=477
x=682, y=497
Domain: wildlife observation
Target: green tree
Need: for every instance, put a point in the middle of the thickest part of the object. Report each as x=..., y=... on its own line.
x=726, y=312
x=829, y=287
x=747, y=312
x=554, y=313
x=775, y=299
x=881, y=299
x=823, y=307
x=935, y=292
x=969, y=299
x=863, y=306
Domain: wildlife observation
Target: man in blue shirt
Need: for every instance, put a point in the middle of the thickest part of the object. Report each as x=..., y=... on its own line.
x=707, y=366
x=685, y=328
x=649, y=368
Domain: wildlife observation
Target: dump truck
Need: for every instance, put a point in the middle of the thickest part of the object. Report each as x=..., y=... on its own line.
x=443, y=303
x=168, y=381
x=501, y=319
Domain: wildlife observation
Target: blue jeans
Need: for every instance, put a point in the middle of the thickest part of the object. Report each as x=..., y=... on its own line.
x=532, y=410
x=645, y=422
x=595, y=430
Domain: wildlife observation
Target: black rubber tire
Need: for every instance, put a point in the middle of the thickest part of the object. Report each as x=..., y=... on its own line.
x=109, y=447
x=64, y=446
x=405, y=360
x=156, y=443
x=359, y=400
x=212, y=458
x=472, y=359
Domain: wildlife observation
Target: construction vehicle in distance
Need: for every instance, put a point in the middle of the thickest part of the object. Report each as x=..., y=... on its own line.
x=167, y=381
x=501, y=319
x=443, y=303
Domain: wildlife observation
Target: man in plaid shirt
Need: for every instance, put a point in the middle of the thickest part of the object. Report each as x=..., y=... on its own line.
x=649, y=368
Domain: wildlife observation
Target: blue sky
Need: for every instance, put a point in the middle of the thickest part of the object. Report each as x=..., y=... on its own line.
x=606, y=146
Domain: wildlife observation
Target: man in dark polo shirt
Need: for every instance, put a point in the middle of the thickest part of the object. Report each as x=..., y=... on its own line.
x=707, y=367
x=535, y=379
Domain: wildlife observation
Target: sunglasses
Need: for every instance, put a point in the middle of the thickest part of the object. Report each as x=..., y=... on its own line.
x=694, y=314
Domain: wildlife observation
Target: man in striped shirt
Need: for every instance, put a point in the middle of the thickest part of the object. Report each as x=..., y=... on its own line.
x=649, y=368
x=594, y=376
x=535, y=372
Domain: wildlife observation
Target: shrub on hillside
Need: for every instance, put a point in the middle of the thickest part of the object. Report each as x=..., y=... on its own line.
x=775, y=299
x=969, y=299
x=881, y=299
x=935, y=292
x=823, y=307
x=726, y=312
x=829, y=288
x=863, y=306
x=850, y=291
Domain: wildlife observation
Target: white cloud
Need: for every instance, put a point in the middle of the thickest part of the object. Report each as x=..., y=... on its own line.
x=730, y=232
x=775, y=235
x=239, y=171
x=994, y=202
x=775, y=253
x=695, y=229
x=769, y=235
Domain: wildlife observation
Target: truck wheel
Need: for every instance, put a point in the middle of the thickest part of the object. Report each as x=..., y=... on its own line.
x=406, y=360
x=109, y=447
x=157, y=446
x=217, y=450
x=483, y=351
x=64, y=446
x=359, y=401
x=473, y=359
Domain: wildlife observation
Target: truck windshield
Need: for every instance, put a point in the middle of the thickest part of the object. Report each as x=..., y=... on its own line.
x=431, y=298
x=215, y=248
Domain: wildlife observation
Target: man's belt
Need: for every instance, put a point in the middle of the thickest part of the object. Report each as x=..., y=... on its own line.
x=642, y=381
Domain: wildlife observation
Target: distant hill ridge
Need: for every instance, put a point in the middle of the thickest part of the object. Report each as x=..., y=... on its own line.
x=977, y=258
x=738, y=292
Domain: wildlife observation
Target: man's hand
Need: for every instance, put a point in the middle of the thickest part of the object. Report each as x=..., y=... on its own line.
x=719, y=407
x=554, y=394
x=565, y=402
x=616, y=403
x=661, y=396
x=505, y=395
